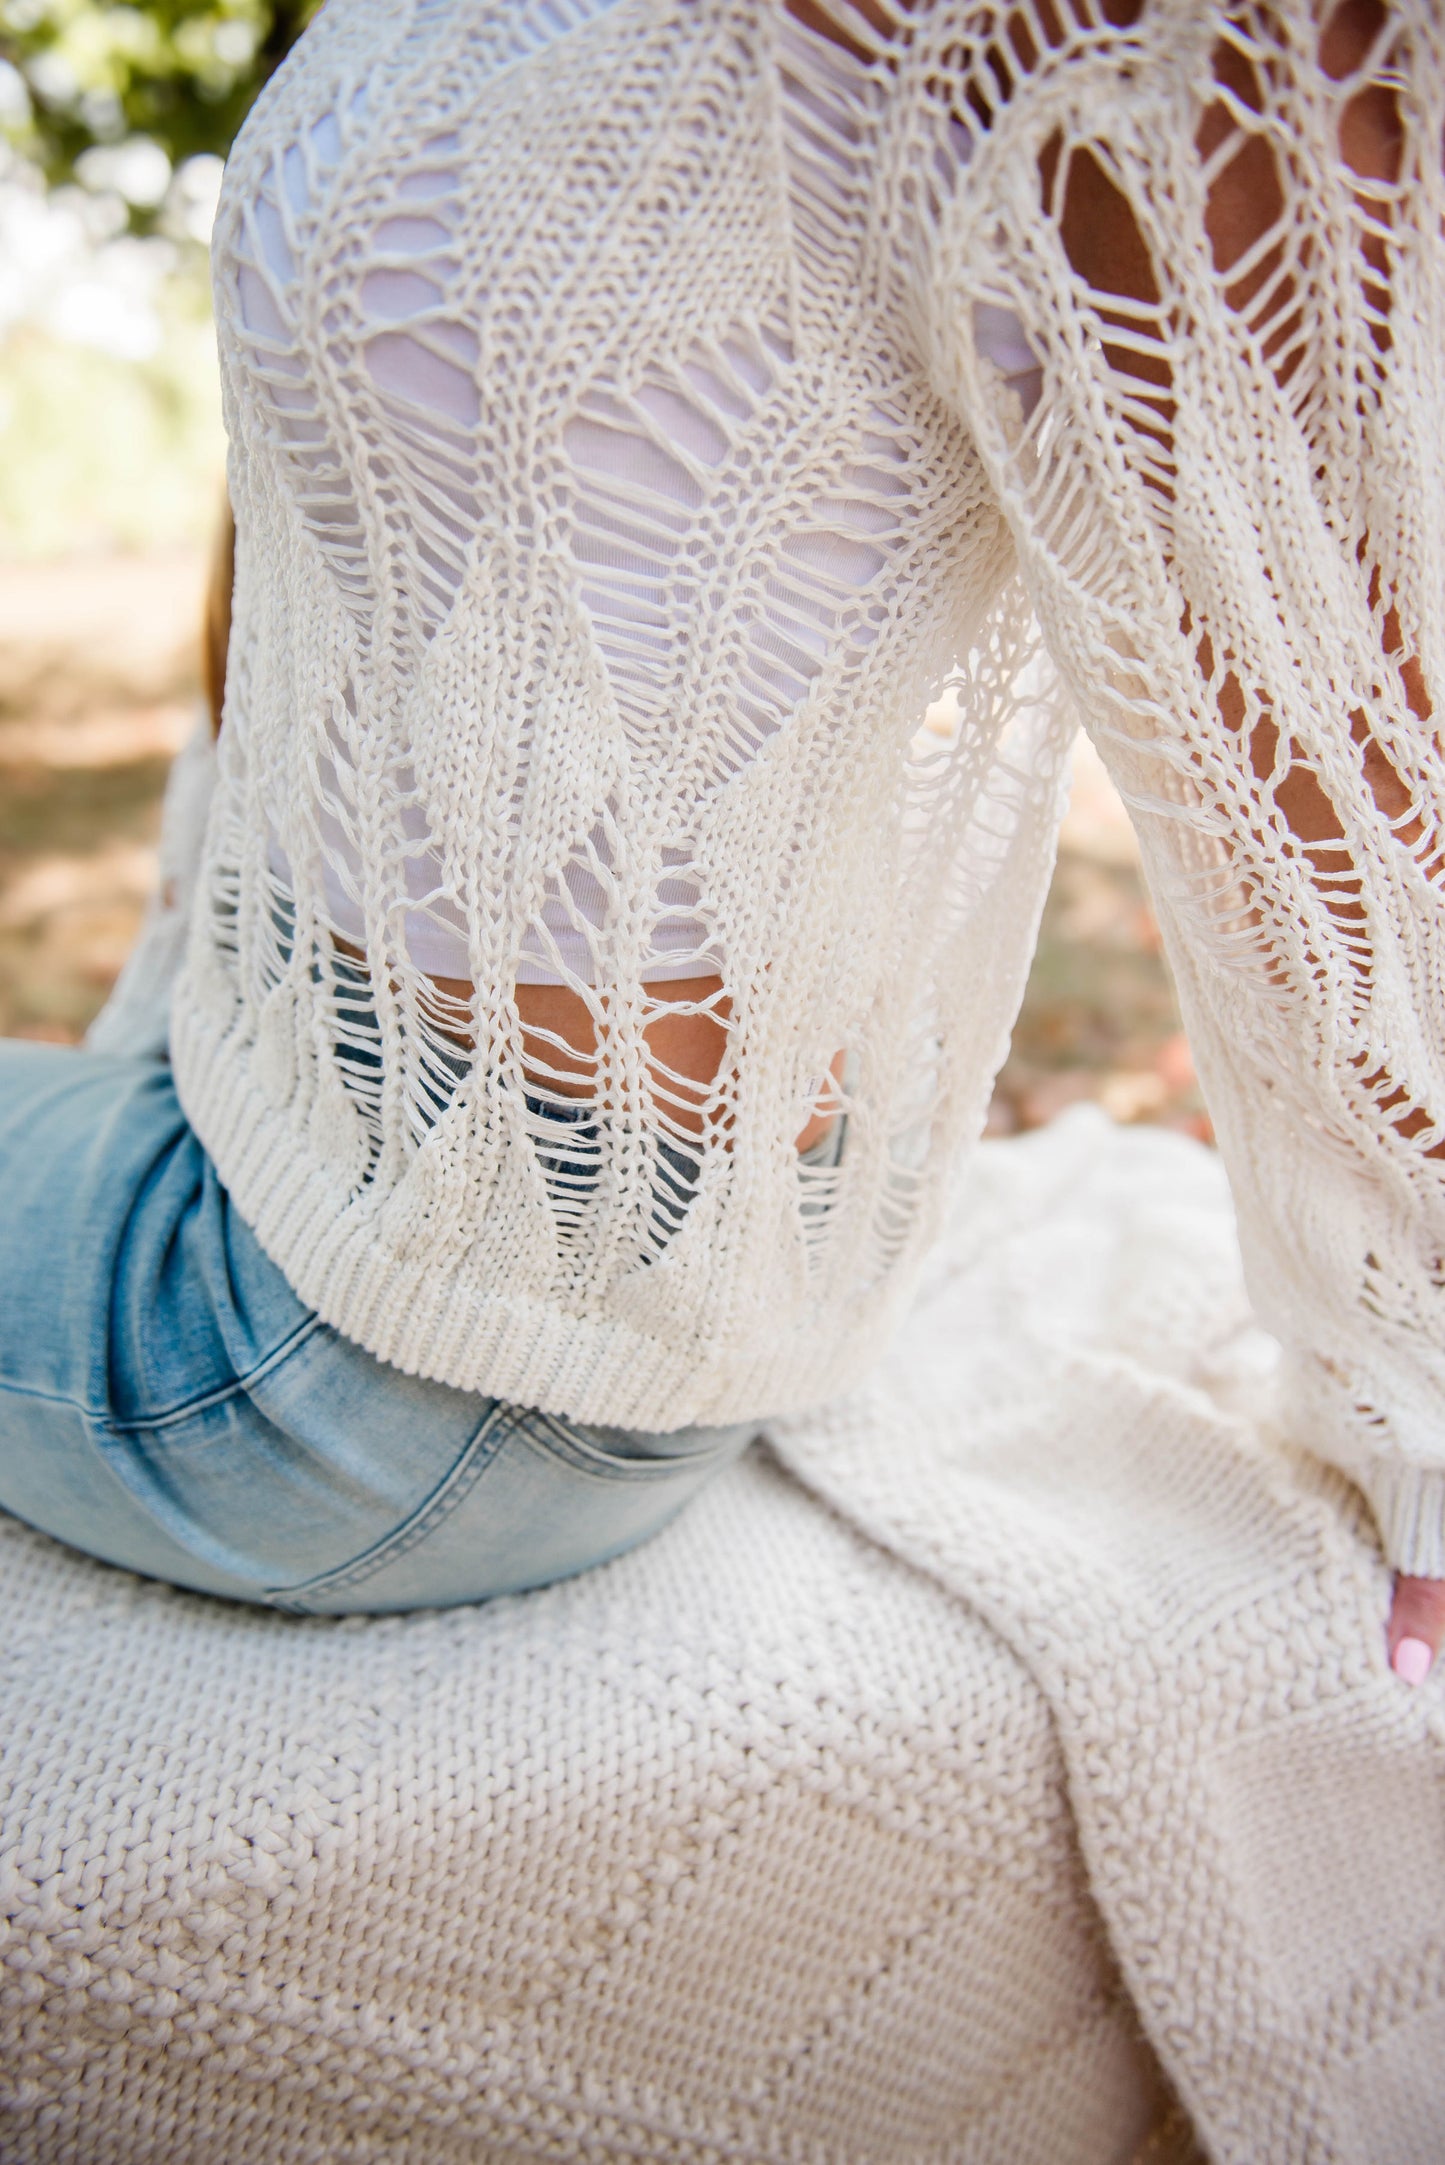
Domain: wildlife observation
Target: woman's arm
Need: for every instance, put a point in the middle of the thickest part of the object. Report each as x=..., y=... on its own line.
x=216, y=620
x=1224, y=239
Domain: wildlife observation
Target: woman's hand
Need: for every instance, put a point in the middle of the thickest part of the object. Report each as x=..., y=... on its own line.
x=1417, y=1626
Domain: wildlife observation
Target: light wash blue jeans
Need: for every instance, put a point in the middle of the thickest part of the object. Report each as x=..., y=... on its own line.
x=168, y=1404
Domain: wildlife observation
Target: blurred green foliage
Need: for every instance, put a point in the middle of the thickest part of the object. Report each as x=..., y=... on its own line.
x=182, y=73
x=100, y=454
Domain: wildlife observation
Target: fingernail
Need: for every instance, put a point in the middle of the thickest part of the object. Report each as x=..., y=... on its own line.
x=1412, y=1659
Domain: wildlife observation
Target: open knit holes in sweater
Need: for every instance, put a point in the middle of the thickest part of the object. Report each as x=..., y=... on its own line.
x=661, y=473
x=652, y=489
x=267, y=249
x=1272, y=830
x=658, y=467
x=1295, y=851
x=1272, y=843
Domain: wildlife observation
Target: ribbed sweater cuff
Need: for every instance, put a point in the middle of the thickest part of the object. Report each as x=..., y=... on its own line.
x=1409, y=1507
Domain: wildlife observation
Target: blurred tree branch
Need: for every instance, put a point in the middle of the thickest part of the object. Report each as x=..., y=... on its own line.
x=86, y=74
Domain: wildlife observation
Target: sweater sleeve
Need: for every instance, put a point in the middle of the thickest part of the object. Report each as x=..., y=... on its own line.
x=1225, y=248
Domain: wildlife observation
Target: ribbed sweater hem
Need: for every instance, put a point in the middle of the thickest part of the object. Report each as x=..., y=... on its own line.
x=1409, y=1507
x=411, y=1314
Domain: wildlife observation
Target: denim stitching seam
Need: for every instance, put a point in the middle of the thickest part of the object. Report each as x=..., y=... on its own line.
x=17, y=1389
x=583, y=1457
x=440, y=1505
x=218, y=1397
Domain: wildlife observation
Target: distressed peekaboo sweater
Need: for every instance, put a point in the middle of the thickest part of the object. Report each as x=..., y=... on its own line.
x=622, y=465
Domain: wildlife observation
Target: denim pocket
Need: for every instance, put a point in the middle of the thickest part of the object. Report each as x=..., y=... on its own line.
x=533, y=1499
x=626, y=1454
x=614, y=1453
x=451, y=1492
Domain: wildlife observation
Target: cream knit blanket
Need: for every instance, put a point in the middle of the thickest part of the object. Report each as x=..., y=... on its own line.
x=765, y=1842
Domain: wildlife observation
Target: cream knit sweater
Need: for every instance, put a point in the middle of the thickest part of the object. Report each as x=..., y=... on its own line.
x=628, y=620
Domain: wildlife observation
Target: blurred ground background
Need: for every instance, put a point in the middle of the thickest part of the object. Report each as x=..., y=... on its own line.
x=110, y=480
